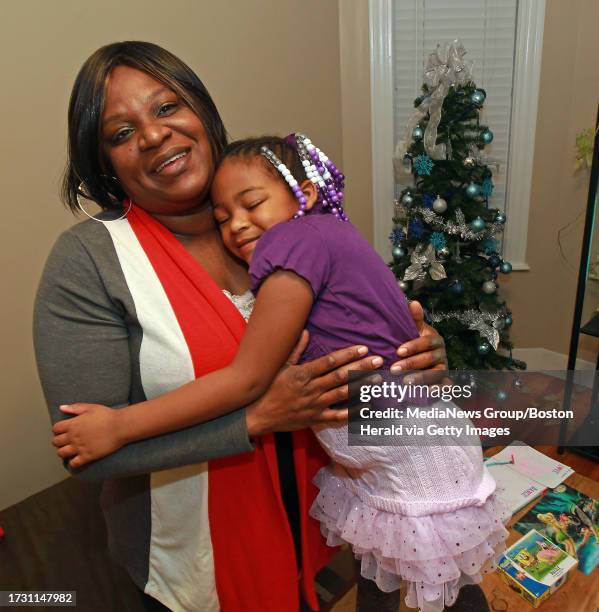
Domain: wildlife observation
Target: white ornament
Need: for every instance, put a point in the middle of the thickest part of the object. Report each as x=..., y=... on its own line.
x=489, y=287
x=439, y=205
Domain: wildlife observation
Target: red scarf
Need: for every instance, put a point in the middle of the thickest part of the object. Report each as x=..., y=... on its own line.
x=253, y=547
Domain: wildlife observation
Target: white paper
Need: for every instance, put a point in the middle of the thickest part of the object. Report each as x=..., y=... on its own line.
x=530, y=462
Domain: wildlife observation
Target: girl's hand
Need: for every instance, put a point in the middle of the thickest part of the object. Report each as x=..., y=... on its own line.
x=426, y=353
x=92, y=434
x=301, y=395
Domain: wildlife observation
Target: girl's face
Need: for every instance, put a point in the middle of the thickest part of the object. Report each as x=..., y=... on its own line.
x=154, y=144
x=248, y=200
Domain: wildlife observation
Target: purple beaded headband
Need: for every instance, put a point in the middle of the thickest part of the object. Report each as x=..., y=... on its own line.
x=319, y=169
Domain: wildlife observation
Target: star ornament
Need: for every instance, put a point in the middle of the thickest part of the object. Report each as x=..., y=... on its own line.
x=424, y=262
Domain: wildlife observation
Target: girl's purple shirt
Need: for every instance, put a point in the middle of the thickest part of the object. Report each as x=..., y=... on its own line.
x=356, y=297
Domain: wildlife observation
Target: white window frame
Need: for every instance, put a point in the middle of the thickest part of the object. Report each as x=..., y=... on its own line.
x=527, y=73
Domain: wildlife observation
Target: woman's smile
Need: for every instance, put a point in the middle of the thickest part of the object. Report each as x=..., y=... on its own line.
x=172, y=162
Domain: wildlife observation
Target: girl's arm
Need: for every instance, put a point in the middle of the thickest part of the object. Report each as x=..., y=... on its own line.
x=279, y=315
x=82, y=346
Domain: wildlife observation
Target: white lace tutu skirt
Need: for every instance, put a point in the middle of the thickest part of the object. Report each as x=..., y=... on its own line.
x=435, y=554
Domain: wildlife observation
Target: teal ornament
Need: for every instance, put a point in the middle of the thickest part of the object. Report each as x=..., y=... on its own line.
x=489, y=287
x=478, y=97
x=487, y=188
x=437, y=239
x=457, y=287
x=500, y=218
x=398, y=253
x=484, y=348
x=506, y=267
x=407, y=199
x=486, y=136
x=473, y=190
x=489, y=245
x=502, y=395
x=508, y=320
x=478, y=225
x=423, y=165
x=417, y=133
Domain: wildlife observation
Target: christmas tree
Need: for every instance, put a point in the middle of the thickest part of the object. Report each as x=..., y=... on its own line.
x=444, y=242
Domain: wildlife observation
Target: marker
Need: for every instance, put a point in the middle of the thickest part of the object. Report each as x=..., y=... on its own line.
x=491, y=463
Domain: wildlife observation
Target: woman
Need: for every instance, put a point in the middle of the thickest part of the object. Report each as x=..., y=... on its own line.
x=134, y=306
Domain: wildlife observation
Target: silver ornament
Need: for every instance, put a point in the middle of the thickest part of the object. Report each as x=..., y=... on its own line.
x=489, y=287
x=403, y=285
x=500, y=218
x=407, y=199
x=439, y=205
x=417, y=133
x=469, y=162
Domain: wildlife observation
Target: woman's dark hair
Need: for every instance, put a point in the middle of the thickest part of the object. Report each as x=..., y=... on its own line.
x=252, y=147
x=84, y=161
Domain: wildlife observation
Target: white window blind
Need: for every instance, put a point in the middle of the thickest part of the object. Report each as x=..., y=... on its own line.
x=487, y=29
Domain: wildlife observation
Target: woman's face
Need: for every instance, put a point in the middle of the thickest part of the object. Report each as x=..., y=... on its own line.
x=154, y=144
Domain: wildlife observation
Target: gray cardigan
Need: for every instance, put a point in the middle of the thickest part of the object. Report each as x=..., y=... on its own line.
x=87, y=341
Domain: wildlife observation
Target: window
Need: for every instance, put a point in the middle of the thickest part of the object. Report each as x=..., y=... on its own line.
x=503, y=40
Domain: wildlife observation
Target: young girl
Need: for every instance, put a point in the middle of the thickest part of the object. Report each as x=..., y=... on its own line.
x=423, y=514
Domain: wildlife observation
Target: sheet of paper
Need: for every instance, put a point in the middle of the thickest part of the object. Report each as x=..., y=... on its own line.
x=536, y=465
x=514, y=489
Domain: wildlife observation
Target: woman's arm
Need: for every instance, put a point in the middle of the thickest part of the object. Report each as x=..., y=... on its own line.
x=279, y=315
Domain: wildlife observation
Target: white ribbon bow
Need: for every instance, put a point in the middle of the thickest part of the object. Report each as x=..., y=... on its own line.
x=445, y=67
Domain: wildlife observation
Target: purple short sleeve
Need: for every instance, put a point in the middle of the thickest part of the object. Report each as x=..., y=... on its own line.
x=297, y=246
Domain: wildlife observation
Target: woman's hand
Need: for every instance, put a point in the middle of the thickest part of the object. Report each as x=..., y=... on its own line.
x=426, y=353
x=301, y=395
x=93, y=433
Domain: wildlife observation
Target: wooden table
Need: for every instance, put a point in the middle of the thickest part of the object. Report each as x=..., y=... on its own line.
x=579, y=594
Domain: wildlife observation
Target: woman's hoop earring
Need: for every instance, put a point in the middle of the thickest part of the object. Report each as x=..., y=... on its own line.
x=81, y=193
